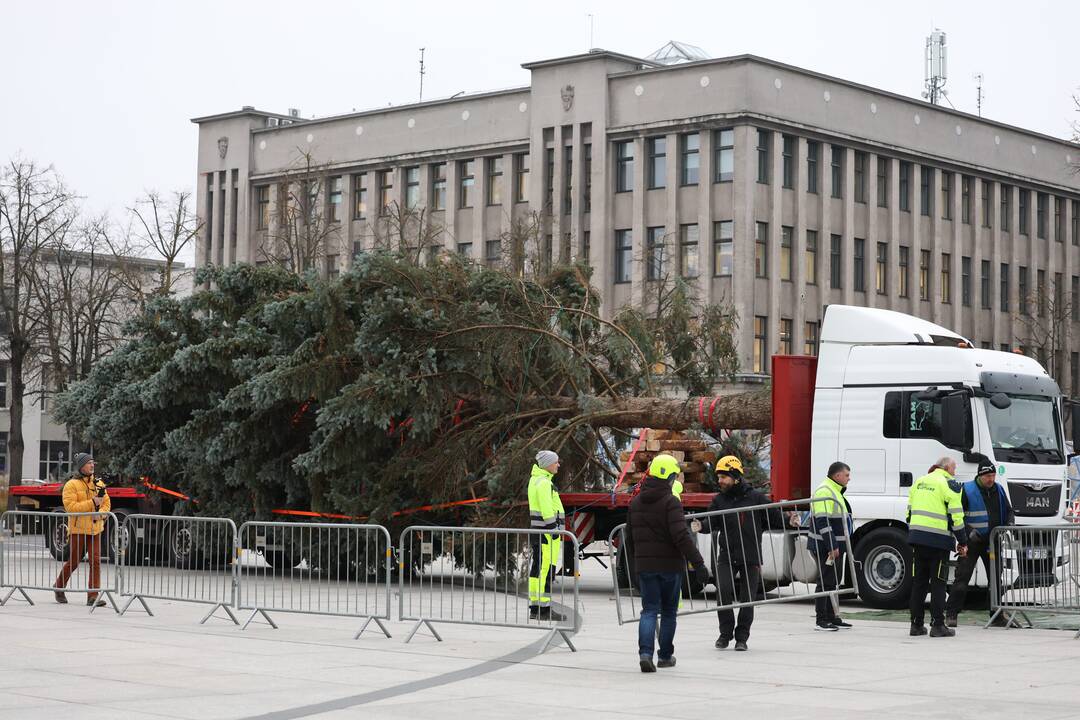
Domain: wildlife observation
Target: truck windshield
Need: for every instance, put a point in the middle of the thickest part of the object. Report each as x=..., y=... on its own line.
x=1027, y=431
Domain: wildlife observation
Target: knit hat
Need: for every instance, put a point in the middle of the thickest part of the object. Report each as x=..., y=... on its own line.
x=985, y=466
x=546, y=458
x=79, y=460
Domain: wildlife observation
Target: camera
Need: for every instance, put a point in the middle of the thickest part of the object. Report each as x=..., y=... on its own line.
x=100, y=489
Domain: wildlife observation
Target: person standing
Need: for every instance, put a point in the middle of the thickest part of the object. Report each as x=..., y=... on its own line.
x=986, y=506
x=661, y=546
x=546, y=514
x=831, y=515
x=84, y=493
x=736, y=549
x=935, y=524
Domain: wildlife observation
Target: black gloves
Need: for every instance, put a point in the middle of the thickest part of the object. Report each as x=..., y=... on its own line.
x=701, y=574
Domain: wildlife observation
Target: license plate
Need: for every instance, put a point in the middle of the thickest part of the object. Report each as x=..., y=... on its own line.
x=1037, y=553
x=427, y=548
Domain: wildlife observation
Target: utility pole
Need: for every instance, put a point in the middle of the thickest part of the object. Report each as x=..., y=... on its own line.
x=422, y=71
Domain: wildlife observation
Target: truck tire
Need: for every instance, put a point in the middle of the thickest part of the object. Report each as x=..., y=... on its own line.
x=56, y=535
x=883, y=566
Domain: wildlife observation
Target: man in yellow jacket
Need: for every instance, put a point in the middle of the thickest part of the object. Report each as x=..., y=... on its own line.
x=545, y=514
x=84, y=493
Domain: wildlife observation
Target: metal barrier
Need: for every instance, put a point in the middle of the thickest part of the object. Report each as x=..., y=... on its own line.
x=1037, y=570
x=186, y=559
x=481, y=576
x=46, y=551
x=315, y=568
x=782, y=563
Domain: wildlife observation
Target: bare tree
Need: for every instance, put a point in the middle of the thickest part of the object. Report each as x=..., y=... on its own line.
x=409, y=230
x=35, y=209
x=1045, y=332
x=299, y=239
x=159, y=228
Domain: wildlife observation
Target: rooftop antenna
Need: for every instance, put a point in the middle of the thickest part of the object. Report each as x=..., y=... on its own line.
x=591, y=46
x=422, y=72
x=979, y=92
x=935, y=65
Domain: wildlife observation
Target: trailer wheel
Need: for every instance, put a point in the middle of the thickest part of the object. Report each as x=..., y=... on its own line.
x=883, y=566
x=56, y=535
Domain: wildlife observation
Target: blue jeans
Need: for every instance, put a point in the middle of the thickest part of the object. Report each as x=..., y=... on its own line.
x=659, y=594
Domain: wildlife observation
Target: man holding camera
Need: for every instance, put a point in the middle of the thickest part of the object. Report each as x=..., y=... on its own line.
x=84, y=493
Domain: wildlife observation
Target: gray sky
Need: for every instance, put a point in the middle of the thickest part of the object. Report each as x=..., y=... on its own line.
x=104, y=90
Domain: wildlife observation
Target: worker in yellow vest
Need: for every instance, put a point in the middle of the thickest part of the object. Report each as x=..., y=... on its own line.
x=545, y=514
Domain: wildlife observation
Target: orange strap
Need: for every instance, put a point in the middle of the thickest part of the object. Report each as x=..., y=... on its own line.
x=410, y=511
x=151, y=486
x=626, y=465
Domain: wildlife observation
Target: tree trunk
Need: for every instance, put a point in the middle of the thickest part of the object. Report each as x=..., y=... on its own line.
x=742, y=411
x=15, y=445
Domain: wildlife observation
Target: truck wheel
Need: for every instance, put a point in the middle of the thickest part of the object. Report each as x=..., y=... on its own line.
x=122, y=542
x=623, y=561
x=883, y=566
x=56, y=535
x=180, y=546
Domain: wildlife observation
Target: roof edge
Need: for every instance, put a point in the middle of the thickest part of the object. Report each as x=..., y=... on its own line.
x=594, y=54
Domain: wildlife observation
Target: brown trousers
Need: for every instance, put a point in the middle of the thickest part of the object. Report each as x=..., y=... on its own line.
x=79, y=544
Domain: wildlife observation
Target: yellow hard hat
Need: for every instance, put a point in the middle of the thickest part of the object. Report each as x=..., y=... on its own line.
x=729, y=465
x=664, y=466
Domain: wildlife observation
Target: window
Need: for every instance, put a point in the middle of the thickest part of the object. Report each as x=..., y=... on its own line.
x=965, y=199
x=860, y=176
x=965, y=281
x=1075, y=233
x=586, y=175
x=881, y=269
x=761, y=339
x=764, y=138
x=785, y=253
x=438, y=186
x=412, y=187
x=689, y=158
x=623, y=255
x=761, y=249
x=656, y=149
x=333, y=204
x=332, y=266
x=882, y=181
x=262, y=204
x=494, y=180
x=624, y=166
x=789, y=161
x=688, y=250
x=1004, y=347
x=1023, y=285
x=946, y=195
x=654, y=253
x=984, y=284
x=4, y=451
x=521, y=177
x=466, y=183
x=1004, y=290
x=926, y=175
x=905, y=186
x=464, y=249
x=1006, y=207
x=725, y=155
x=386, y=187
x=785, y=336
x=1074, y=387
x=810, y=338
x=946, y=278
x=1075, y=300
x=492, y=251
x=360, y=206
x=1041, y=202
x=4, y=367
x=837, y=165
x=860, y=265
x=810, y=268
x=1059, y=294
x=1023, y=210
x=1059, y=224
x=723, y=247
x=835, y=262
x=905, y=270
x=549, y=178
x=1040, y=285
x=55, y=459
x=813, y=151
x=987, y=208
x=924, y=274
x=909, y=416
x=568, y=179
x=586, y=245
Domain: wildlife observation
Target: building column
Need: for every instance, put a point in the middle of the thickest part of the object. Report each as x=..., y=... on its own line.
x=895, y=301
x=798, y=249
x=637, y=228
x=847, y=203
x=775, y=187
x=957, y=251
x=705, y=218
x=743, y=281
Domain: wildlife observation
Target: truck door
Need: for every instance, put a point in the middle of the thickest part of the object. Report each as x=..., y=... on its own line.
x=874, y=458
x=917, y=422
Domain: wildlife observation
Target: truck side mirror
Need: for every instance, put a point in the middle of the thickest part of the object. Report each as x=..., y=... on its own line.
x=1001, y=401
x=956, y=423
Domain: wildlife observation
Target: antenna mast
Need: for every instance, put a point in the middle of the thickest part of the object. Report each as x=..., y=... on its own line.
x=979, y=92
x=935, y=65
x=422, y=72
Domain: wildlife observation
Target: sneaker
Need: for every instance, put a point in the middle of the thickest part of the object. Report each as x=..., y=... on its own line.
x=647, y=665
x=826, y=626
x=950, y=621
x=840, y=623
x=94, y=602
x=941, y=631
x=670, y=662
x=60, y=598
x=917, y=629
x=740, y=646
x=722, y=642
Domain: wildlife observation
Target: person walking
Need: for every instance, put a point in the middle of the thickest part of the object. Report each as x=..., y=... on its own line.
x=661, y=546
x=84, y=493
x=832, y=526
x=986, y=506
x=736, y=549
x=546, y=514
x=935, y=524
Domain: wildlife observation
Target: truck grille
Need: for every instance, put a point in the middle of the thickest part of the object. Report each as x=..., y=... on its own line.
x=1034, y=498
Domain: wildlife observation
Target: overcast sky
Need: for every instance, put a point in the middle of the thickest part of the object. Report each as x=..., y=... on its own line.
x=105, y=90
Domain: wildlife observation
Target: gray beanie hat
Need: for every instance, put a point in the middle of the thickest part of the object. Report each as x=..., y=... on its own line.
x=546, y=458
x=79, y=460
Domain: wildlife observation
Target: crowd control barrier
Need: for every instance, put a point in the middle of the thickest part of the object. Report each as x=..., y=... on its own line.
x=1036, y=571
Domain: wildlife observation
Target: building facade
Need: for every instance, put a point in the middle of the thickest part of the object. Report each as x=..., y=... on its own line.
x=773, y=188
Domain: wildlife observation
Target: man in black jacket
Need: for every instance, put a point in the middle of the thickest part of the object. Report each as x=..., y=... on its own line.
x=737, y=549
x=661, y=546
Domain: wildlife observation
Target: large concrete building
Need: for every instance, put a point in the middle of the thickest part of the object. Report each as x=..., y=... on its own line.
x=775, y=188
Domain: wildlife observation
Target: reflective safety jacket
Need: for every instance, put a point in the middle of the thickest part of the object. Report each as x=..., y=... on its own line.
x=831, y=515
x=935, y=512
x=676, y=489
x=545, y=506
x=976, y=515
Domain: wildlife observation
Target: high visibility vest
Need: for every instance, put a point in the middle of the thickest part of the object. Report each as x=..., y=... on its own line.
x=977, y=517
x=935, y=512
x=676, y=489
x=831, y=521
x=545, y=507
